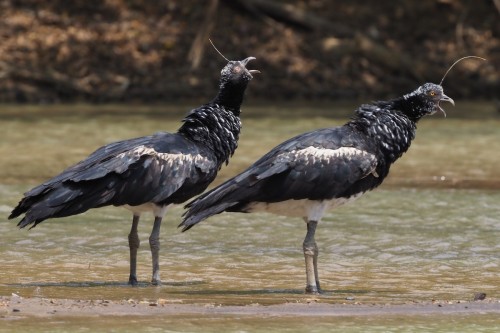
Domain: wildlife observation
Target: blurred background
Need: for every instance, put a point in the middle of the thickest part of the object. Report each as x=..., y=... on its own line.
x=103, y=51
x=79, y=74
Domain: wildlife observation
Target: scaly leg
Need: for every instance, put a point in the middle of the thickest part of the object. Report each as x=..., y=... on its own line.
x=133, y=243
x=154, y=243
x=311, y=257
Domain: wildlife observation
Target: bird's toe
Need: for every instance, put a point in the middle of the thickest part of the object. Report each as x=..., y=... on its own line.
x=313, y=290
x=156, y=282
x=132, y=281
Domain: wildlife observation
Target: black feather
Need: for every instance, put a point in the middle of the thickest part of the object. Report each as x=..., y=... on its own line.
x=325, y=164
x=163, y=168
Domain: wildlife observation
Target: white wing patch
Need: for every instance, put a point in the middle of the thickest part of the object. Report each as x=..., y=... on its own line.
x=323, y=153
x=178, y=159
x=340, y=152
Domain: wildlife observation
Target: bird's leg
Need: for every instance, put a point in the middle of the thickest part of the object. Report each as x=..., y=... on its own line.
x=311, y=258
x=154, y=243
x=133, y=244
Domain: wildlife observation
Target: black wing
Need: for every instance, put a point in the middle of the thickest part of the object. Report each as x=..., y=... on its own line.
x=317, y=165
x=162, y=168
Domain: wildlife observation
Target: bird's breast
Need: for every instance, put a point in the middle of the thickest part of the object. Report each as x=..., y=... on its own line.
x=149, y=207
x=300, y=207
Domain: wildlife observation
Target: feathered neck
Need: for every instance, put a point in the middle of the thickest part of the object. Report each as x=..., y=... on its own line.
x=413, y=105
x=391, y=129
x=230, y=96
x=215, y=127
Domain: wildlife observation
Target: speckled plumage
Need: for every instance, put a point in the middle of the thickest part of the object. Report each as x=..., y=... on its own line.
x=152, y=172
x=312, y=172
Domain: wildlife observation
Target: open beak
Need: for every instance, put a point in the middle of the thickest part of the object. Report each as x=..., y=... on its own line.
x=445, y=98
x=245, y=62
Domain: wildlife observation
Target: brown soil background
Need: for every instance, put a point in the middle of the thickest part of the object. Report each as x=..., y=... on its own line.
x=145, y=52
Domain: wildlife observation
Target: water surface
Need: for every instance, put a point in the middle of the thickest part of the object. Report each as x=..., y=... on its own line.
x=429, y=233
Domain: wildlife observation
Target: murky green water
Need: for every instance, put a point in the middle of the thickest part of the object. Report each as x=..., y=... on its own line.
x=431, y=232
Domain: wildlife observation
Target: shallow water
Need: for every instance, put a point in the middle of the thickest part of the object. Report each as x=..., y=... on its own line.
x=391, y=246
x=430, y=232
x=230, y=323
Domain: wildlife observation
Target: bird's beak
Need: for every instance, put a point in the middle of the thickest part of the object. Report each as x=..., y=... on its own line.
x=445, y=98
x=245, y=62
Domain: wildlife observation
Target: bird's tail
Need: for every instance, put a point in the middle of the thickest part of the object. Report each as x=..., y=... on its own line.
x=208, y=204
x=21, y=208
x=58, y=202
x=35, y=211
x=191, y=219
x=32, y=216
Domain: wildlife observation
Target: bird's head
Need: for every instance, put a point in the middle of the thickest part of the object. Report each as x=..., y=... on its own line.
x=425, y=100
x=235, y=72
x=233, y=82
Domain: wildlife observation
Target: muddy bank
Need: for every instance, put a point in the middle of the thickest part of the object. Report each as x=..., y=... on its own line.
x=18, y=307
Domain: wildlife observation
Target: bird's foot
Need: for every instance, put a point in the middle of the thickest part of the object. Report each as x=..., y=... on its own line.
x=313, y=290
x=156, y=282
x=132, y=280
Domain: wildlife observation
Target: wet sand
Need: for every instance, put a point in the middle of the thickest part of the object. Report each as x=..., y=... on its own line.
x=12, y=307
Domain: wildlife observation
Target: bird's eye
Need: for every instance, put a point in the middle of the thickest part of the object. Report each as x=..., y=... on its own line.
x=432, y=93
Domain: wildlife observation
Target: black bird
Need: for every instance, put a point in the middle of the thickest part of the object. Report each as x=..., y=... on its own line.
x=315, y=171
x=148, y=174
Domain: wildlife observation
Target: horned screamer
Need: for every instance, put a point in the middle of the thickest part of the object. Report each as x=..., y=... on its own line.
x=319, y=170
x=148, y=174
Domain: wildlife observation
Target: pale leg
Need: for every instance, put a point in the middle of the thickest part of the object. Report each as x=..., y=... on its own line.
x=311, y=257
x=154, y=243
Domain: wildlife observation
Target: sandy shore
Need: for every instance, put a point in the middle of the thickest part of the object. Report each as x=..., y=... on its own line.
x=15, y=306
